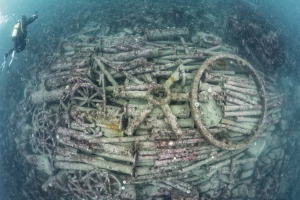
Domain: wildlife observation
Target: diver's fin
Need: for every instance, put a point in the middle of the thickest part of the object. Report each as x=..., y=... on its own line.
x=12, y=57
x=3, y=64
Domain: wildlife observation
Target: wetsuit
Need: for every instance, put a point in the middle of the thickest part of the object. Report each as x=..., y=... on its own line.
x=20, y=37
x=20, y=42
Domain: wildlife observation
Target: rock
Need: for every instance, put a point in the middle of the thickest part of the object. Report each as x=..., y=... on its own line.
x=106, y=30
x=251, y=191
x=204, y=187
x=57, y=183
x=265, y=160
x=275, y=141
x=159, y=23
x=283, y=124
x=215, y=182
x=277, y=166
x=223, y=185
x=256, y=148
x=284, y=187
x=121, y=34
x=284, y=140
x=272, y=156
x=267, y=135
x=224, y=178
x=279, y=153
x=234, y=192
x=128, y=31
x=40, y=162
x=258, y=174
x=246, y=174
x=210, y=193
x=202, y=179
x=225, y=170
x=247, y=166
x=271, y=128
x=239, y=191
x=286, y=161
x=246, y=181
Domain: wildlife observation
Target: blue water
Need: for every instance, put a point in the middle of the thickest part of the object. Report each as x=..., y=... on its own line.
x=285, y=15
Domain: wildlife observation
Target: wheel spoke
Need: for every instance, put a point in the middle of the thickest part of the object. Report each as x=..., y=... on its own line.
x=82, y=103
x=95, y=185
x=109, y=186
x=94, y=104
x=97, y=100
x=94, y=95
x=86, y=91
x=140, y=118
x=80, y=98
x=172, y=119
x=88, y=94
x=82, y=93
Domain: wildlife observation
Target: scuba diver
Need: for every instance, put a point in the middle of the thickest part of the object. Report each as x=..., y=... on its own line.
x=18, y=36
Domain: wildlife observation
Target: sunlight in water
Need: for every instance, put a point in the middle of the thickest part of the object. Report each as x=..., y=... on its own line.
x=4, y=19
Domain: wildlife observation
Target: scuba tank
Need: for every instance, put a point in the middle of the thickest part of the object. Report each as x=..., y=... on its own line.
x=16, y=32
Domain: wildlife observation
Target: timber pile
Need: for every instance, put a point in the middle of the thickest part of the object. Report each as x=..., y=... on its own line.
x=147, y=117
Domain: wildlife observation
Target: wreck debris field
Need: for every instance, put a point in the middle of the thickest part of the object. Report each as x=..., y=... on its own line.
x=153, y=101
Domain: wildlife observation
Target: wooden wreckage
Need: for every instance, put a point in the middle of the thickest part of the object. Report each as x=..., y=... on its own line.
x=144, y=117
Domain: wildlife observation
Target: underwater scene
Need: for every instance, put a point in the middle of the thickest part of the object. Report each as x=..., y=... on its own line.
x=149, y=100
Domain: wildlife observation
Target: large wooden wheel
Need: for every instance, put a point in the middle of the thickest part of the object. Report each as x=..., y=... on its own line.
x=87, y=95
x=95, y=184
x=242, y=102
